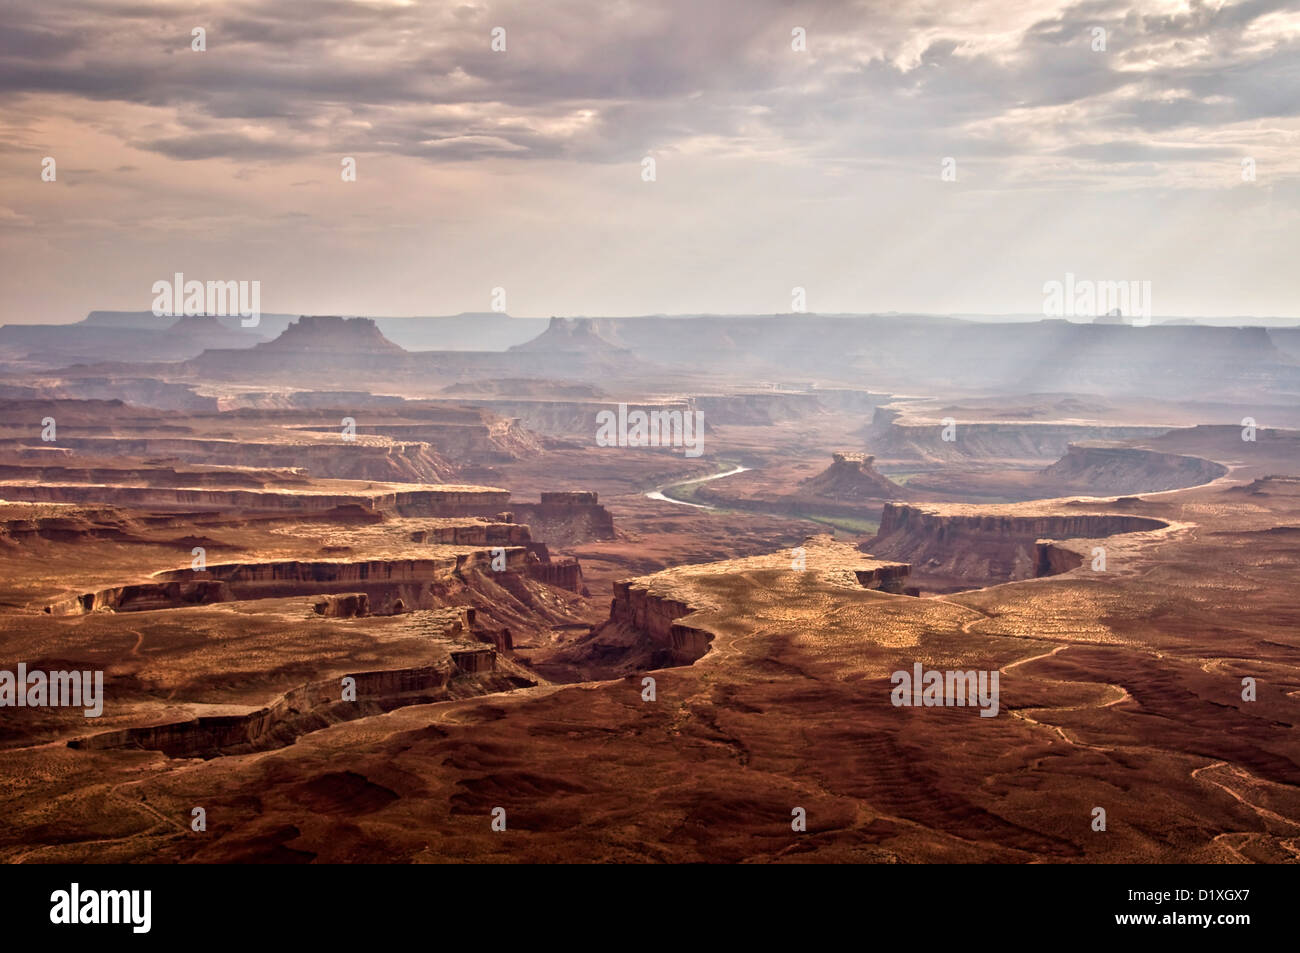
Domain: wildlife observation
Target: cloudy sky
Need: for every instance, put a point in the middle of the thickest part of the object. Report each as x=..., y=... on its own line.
x=775, y=167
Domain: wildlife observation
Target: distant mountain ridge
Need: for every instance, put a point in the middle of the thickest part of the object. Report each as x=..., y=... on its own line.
x=468, y=331
x=898, y=353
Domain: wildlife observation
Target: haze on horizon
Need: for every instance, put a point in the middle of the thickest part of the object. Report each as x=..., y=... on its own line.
x=775, y=167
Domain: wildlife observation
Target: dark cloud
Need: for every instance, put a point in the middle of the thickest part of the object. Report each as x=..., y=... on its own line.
x=210, y=145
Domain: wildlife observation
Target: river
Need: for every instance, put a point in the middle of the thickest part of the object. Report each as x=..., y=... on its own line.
x=661, y=493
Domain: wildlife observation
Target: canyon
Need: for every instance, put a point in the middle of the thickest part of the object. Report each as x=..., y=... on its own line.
x=350, y=595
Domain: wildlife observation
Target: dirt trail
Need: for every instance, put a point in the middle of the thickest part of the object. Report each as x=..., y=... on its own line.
x=1250, y=780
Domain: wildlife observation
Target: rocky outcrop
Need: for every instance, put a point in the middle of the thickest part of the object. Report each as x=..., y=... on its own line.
x=563, y=572
x=311, y=344
x=567, y=517
x=1104, y=470
x=850, y=487
x=960, y=547
x=851, y=476
x=475, y=661
x=638, y=607
x=885, y=578
x=329, y=334
x=348, y=605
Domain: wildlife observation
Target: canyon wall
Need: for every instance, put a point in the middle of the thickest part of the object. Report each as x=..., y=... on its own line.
x=382, y=460
x=164, y=476
x=471, y=671
x=758, y=408
x=385, y=582
x=952, y=549
x=1001, y=441
x=1053, y=559
x=1101, y=471
x=654, y=617
x=479, y=442
x=445, y=502
x=69, y=527
x=208, y=498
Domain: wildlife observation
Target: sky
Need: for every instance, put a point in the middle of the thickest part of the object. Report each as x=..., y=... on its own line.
x=794, y=145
